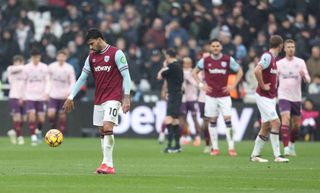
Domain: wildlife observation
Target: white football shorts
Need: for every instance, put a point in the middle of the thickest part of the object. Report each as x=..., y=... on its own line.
x=214, y=105
x=107, y=111
x=267, y=108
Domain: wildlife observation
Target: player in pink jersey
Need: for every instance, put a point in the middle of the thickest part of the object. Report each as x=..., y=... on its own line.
x=291, y=71
x=266, y=75
x=36, y=94
x=16, y=82
x=62, y=79
x=109, y=68
x=189, y=99
x=217, y=67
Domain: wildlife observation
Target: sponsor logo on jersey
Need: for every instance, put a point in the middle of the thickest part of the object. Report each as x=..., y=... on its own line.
x=217, y=71
x=102, y=68
x=273, y=71
x=106, y=58
x=224, y=64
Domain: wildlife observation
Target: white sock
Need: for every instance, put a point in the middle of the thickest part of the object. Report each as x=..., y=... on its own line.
x=275, y=142
x=213, y=131
x=258, y=145
x=229, y=135
x=107, y=149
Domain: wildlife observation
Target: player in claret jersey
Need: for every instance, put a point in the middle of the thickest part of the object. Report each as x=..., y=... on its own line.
x=62, y=79
x=291, y=71
x=109, y=68
x=266, y=75
x=217, y=67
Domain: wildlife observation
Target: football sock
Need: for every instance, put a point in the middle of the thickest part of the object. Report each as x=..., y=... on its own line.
x=32, y=127
x=163, y=127
x=285, y=135
x=176, y=135
x=170, y=134
x=213, y=131
x=258, y=145
x=17, y=128
x=40, y=126
x=52, y=122
x=294, y=134
x=108, y=143
x=62, y=125
x=229, y=135
x=275, y=142
x=206, y=133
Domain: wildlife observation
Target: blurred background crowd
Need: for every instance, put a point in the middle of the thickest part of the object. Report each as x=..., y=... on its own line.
x=143, y=28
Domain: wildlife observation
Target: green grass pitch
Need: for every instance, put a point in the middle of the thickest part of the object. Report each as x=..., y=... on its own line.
x=142, y=168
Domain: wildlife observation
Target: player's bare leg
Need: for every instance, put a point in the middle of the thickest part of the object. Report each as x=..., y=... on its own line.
x=32, y=127
x=197, y=139
x=185, y=132
x=107, y=144
x=294, y=134
x=285, y=129
x=213, y=131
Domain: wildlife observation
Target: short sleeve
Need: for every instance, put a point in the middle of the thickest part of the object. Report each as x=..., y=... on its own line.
x=200, y=64
x=265, y=60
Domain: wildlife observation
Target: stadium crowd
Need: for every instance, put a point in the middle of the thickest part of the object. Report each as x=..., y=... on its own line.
x=143, y=28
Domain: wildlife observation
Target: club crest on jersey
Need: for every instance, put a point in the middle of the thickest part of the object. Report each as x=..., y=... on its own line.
x=224, y=64
x=209, y=64
x=93, y=60
x=106, y=58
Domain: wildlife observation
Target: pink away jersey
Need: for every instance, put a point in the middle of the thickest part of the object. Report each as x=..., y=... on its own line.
x=290, y=78
x=202, y=93
x=36, y=80
x=62, y=79
x=16, y=81
x=189, y=86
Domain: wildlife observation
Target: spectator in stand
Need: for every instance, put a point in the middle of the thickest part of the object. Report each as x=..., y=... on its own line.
x=309, y=117
x=8, y=48
x=313, y=63
x=152, y=67
x=24, y=37
x=314, y=87
x=156, y=34
x=174, y=30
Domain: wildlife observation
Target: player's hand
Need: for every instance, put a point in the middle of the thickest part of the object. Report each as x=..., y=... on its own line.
x=68, y=106
x=266, y=87
x=301, y=72
x=46, y=97
x=126, y=104
x=207, y=88
x=227, y=89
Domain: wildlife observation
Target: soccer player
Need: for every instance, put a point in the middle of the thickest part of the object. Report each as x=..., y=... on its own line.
x=189, y=99
x=291, y=71
x=109, y=68
x=36, y=94
x=266, y=75
x=62, y=79
x=172, y=72
x=16, y=82
x=217, y=67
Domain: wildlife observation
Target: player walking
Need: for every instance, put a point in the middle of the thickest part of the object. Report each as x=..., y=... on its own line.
x=16, y=82
x=217, y=67
x=291, y=71
x=36, y=94
x=109, y=68
x=62, y=79
x=173, y=74
x=266, y=75
x=189, y=99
